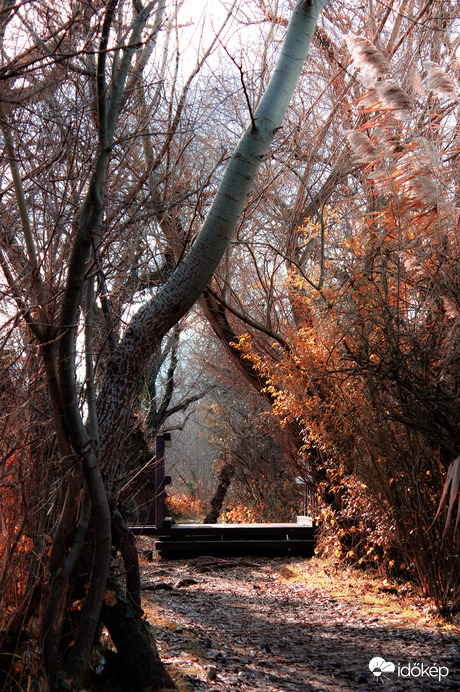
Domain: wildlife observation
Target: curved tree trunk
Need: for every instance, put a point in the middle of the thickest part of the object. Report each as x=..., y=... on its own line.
x=225, y=478
x=184, y=286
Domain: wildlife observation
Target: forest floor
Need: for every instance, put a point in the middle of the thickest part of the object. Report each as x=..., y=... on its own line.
x=290, y=624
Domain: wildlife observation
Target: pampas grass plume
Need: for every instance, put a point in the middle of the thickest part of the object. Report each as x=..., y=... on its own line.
x=362, y=146
x=366, y=57
x=438, y=81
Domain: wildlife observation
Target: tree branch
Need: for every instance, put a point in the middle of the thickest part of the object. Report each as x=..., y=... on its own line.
x=250, y=322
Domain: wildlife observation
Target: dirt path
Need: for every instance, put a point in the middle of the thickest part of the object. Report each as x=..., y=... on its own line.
x=274, y=625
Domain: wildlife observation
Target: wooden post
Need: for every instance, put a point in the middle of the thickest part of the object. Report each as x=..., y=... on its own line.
x=159, y=482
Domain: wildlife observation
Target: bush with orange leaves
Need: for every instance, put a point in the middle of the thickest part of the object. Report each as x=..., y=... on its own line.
x=371, y=372
x=185, y=507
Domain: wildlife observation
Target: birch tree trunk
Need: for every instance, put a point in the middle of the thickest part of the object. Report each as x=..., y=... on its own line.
x=184, y=287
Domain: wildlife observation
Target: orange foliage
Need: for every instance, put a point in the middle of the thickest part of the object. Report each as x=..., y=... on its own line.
x=185, y=507
x=241, y=514
x=371, y=376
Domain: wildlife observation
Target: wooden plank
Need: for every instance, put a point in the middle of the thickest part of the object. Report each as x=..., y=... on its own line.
x=159, y=481
x=227, y=531
x=185, y=540
x=183, y=549
x=236, y=532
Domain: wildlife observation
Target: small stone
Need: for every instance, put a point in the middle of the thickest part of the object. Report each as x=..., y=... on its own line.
x=211, y=673
x=186, y=581
x=156, y=586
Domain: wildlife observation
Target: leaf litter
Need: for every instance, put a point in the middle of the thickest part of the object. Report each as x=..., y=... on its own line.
x=281, y=624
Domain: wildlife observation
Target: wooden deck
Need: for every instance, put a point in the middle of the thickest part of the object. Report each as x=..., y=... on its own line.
x=191, y=540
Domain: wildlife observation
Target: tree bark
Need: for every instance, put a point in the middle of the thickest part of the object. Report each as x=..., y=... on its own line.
x=124, y=540
x=135, y=644
x=225, y=478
